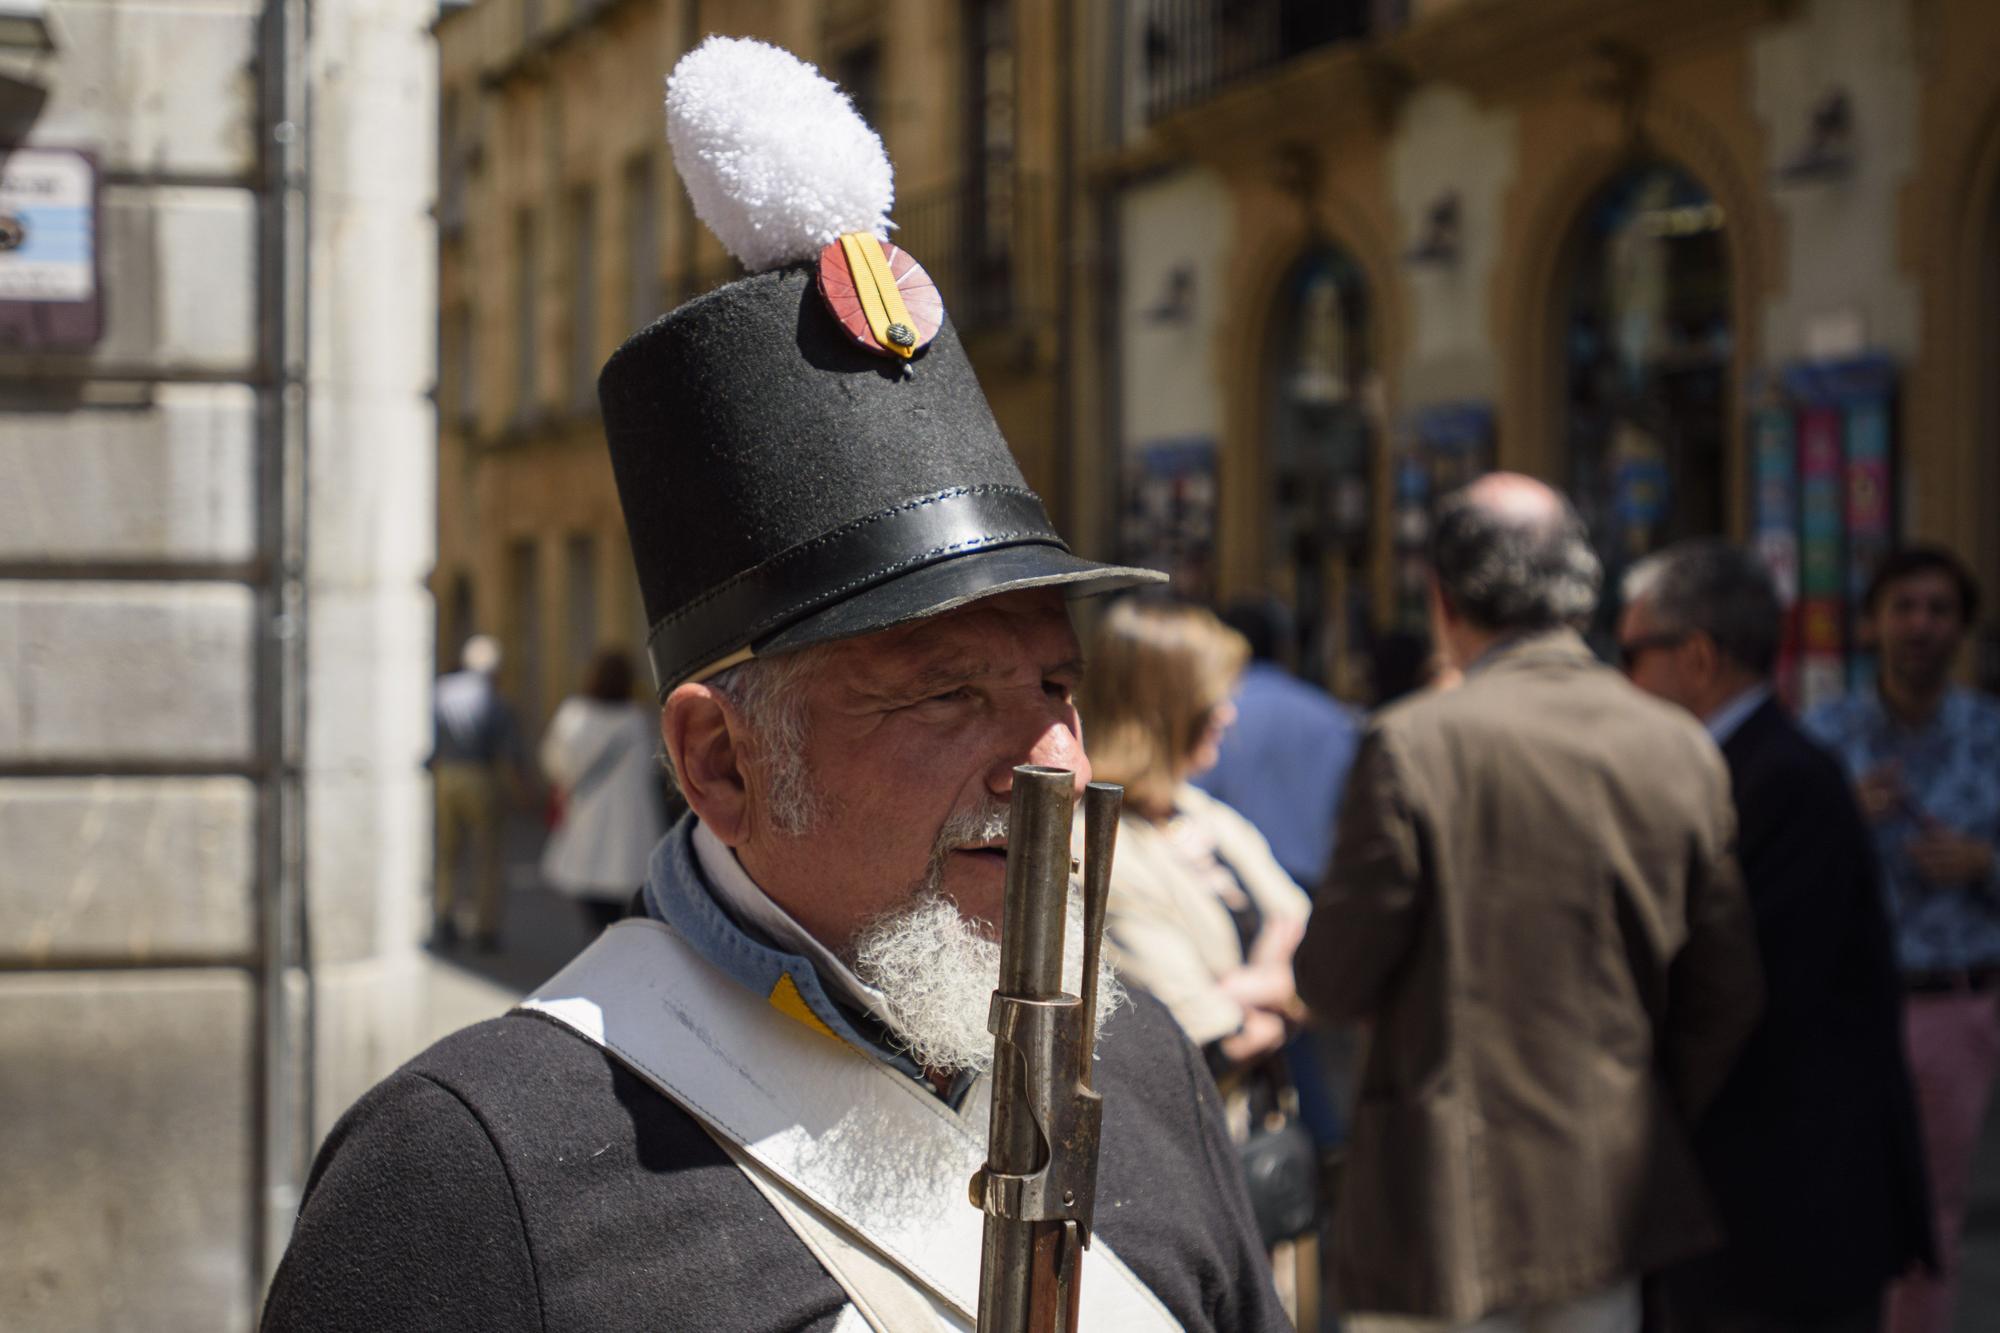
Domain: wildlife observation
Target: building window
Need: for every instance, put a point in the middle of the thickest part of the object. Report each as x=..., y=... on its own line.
x=989, y=212
x=461, y=398
x=583, y=298
x=1648, y=346
x=580, y=589
x=527, y=343
x=858, y=71
x=524, y=597
x=453, y=162
x=642, y=242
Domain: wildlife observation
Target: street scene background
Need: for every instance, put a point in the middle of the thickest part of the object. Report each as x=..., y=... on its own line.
x=302, y=307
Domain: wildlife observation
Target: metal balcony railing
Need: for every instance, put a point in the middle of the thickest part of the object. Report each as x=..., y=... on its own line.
x=991, y=258
x=1191, y=50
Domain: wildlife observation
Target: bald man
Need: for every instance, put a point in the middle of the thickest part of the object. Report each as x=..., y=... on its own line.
x=1534, y=905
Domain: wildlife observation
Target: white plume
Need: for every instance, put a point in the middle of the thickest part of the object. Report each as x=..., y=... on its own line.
x=776, y=159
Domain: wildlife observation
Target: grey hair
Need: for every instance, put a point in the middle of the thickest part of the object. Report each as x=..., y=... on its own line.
x=770, y=694
x=1505, y=572
x=1713, y=587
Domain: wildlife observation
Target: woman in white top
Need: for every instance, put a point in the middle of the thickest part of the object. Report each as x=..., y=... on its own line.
x=599, y=753
x=1201, y=914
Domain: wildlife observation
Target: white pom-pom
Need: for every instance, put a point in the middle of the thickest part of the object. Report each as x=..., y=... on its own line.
x=776, y=160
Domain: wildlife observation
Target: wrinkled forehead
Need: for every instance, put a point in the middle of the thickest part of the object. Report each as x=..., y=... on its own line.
x=1005, y=630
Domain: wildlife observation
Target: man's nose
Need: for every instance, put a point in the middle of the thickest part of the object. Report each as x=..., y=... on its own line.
x=1049, y=740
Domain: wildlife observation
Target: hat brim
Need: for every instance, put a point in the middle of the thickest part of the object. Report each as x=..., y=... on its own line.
x=950, y=584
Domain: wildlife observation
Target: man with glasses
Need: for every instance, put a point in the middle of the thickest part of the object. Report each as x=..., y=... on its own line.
x=1811, y=1148
x=1925, y=756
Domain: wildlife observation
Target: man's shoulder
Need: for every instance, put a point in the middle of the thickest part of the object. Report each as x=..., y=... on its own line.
x=1778, y=756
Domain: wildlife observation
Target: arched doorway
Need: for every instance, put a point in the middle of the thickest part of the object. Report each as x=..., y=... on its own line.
x=1647, y=349
x=1320, y=457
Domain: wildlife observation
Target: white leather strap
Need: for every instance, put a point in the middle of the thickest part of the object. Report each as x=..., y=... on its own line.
x=857, y=1148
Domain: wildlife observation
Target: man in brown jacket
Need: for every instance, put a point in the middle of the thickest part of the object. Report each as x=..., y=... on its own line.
x=1534, y=905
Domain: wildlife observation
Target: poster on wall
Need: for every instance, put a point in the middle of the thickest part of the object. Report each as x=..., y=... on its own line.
x=49, y=292
x=1774, y=528
x=1824, y=514
x=1438, y=449
x=1167, y=519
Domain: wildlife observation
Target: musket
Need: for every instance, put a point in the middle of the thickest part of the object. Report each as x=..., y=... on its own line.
x=1039, y=1183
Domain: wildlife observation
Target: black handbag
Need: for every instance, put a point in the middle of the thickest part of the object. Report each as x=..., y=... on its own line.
x=1281, y=1171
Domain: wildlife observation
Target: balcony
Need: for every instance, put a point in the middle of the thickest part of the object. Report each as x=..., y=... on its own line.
x=1191, y=50
x=990, y=257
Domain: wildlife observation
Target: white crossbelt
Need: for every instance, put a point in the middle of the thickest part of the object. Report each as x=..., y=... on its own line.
x=867, y=1168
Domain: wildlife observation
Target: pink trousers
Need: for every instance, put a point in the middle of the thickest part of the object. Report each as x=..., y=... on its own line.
x=1954, y=1048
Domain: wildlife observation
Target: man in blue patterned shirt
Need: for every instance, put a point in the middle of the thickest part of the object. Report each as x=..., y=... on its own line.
x=1925, y=757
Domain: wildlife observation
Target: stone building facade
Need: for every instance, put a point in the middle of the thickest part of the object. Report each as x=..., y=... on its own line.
x=214, y=636
x=1601, y=242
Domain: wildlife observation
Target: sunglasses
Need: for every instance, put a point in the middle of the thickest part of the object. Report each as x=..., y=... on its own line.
x=1631, y=650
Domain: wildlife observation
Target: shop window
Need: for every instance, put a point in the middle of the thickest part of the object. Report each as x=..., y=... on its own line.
x=1321, y=453
x=1647, y=347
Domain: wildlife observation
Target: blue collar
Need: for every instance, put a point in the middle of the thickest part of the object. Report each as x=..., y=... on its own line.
x=678, y=895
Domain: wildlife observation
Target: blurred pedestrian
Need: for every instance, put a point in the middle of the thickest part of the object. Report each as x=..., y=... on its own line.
x=1283, y=760
x=1533, y=903
x=1401, y=663
x=1201, y=913
x=1812, y=1147
x=477, y=764
x=599, y=755
x=1282, y=765
x=1925, y=756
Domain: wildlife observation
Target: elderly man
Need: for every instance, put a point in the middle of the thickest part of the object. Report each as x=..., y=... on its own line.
x=1924, y=753
x=758, y=1104
x=1821, y=1209
x=1533, y=903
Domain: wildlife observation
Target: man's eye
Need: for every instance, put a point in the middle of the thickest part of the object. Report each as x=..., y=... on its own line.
x=959, y=695
x=1059, y=689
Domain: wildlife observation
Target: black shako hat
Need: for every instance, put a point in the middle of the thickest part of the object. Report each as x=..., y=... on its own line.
x=791, y=475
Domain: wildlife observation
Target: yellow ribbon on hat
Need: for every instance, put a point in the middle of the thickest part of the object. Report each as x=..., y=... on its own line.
x=881, y=299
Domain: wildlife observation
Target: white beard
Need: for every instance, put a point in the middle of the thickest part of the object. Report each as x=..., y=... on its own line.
x=937, y=971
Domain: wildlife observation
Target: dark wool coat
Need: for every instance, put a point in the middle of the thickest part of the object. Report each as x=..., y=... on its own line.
x=1813, y=1147
x=515, y=1178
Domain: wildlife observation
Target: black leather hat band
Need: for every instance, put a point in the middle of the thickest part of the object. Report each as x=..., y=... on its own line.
x=840, y=563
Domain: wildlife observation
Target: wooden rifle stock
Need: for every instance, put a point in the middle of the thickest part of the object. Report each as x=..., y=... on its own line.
x=1039, y=1183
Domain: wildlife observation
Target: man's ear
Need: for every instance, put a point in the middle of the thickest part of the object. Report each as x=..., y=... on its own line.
x=703, y=735
x=1706, y=657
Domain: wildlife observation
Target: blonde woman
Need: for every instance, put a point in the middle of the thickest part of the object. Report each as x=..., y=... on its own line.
x=1201, y=914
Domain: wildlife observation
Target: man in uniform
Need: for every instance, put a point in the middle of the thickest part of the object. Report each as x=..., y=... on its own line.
x=859, y=630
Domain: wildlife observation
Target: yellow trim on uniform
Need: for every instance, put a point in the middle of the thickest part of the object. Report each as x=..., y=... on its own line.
x=785, y=998
x=881, y=299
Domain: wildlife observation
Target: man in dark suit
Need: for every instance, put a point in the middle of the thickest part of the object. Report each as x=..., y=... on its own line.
x=1812, y=1147
x=1533, y=903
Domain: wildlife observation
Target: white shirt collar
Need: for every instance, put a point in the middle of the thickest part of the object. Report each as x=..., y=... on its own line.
x=1724, y=721
x=741, y=896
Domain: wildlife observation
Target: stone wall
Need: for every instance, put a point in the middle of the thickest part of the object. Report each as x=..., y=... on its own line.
x=136, y=636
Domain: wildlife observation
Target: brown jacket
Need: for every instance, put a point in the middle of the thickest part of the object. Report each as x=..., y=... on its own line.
x=1534, y=903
